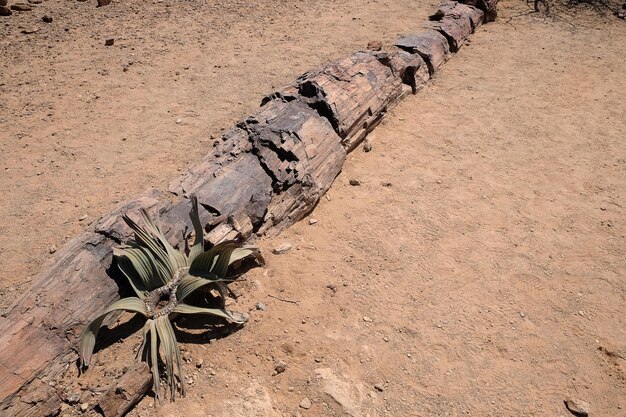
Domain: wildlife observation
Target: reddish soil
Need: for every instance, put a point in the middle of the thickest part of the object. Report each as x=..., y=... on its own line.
x=477, y=270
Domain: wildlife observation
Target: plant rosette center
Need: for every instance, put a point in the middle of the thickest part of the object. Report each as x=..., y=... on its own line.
x=162, y=301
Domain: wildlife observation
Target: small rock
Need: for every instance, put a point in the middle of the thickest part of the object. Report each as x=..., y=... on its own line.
x=109, y=42
x=47, y=19
x=199, y=363
x=260, y=306
x=367, y=319
x=5, y=11
x=187, y=357
x=282, y=248
x=355, y=183
x=577, y=407
x=103, y=3
x=379, y=387
x=29, y=29
x=305, y=403
x=280, y=367
x=72, y=398
x=367, y=146
x=386, y=184
x=374, y=45
x=83, y=217
x=84, y=407
x=522, y=314
x=52, y=249
x=312, y=221
x=179, y=121
x=385, y=338
x=21, y=7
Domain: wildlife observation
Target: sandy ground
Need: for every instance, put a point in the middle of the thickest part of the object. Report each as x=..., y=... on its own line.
x=478, y=269
x=84, y=126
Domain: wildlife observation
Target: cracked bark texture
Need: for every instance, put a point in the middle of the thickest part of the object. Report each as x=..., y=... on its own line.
x=456, y=22
x=431, y=45
x=353, y=94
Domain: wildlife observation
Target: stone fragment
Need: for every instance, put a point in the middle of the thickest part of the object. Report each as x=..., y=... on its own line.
x=305, y=403
x=282, y=248
x=21, y=7
x=577, y=407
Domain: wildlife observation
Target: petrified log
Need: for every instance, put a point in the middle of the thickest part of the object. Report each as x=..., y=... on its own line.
x=127, y=391
x=353, y=94
x=431, y=45
x=456, y=22
x=489, y=7
x=410, y=68
x=265, y=174
x=455, y=9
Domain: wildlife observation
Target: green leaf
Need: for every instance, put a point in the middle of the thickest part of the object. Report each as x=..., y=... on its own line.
x=151, y=239
x=173, y=362
x=178, y=259
x=144, y=341
x=89, y=334
x=189, y=284
x=154, y=360
x=198, y=244
x=151, y=272
x=229, y=315
x=205, y=262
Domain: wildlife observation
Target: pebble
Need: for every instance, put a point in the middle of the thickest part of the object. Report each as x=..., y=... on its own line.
x=312, y=221
x=577, y=407
x=83, y=217
x=367, y=146
x=27, y=31
x=179, y=121
x=522, y=314
x=103, y=3
x=5, y=11
x=72, y=398
x=280, y=367
x=367, y=319
x=379, y=387
x=260, y=306
x=21, y=7
x=282, y=248
x=199, y=363
x=47, y=19
x=305, y=403
x=109, y=42
x=355, y=183
x=52, y=249
x=84, y=407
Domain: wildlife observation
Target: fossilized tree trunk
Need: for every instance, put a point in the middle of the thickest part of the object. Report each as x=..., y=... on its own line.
x=263, y=175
